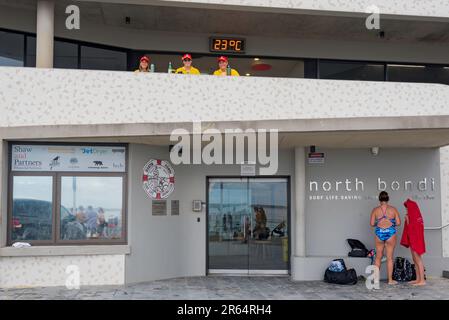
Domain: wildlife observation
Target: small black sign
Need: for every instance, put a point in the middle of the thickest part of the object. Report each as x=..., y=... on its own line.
x=316, y=157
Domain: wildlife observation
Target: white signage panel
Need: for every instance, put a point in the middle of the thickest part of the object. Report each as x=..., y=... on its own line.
x=67, y=158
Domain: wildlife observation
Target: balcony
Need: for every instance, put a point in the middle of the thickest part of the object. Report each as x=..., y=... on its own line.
x=37, y=101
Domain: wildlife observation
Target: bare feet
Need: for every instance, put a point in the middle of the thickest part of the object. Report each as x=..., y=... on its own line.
x=419, y=284
x=392, y=282
x=413, y=282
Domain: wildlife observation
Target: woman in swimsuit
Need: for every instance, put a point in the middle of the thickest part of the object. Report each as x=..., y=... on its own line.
x=385, y=219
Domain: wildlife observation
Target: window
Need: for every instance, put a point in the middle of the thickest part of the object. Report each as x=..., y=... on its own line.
x=341, y=70
x=11, y=49
x=65, y=54
x=32, y=208
x=63, y=194
x=103, y=59
x=91, y=208
x=418, y=73
x=207, y=64
x=31, y=52
x=73, y=54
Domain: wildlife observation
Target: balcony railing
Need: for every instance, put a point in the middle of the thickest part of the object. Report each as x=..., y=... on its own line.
x=34, y=97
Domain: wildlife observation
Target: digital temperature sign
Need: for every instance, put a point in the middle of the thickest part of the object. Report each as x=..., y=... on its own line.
x=227, y=45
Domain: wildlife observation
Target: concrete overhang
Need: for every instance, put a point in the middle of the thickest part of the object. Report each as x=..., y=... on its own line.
x=437, y=9
x=405, y=132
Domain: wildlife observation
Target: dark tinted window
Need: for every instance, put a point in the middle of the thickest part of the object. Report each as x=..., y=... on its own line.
x=337, y=70
x=245, y=66
x=418, y=73
x=31, y=52
x=65, y=54
x=102, y=59
x=11, y=49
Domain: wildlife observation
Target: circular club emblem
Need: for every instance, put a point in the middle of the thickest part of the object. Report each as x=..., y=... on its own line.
x=158, y=179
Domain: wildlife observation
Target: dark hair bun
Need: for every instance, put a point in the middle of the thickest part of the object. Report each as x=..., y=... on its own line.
x=384, y=197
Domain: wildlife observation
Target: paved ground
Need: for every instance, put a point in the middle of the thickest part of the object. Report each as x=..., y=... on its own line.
x=236, y=288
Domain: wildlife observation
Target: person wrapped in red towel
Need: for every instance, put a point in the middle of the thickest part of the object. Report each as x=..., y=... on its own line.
x=413, y=238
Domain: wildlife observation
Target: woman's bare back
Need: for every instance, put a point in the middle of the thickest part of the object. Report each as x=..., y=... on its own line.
x=389, y=212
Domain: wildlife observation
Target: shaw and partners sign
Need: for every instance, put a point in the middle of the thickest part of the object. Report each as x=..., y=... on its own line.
x=354, y=189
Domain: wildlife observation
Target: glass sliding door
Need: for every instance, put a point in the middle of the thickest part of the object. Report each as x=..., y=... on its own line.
x=268, y=245
x=248, y=225
x=228, y=225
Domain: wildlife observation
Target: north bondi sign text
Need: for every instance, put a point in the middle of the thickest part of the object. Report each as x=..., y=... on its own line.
x=350, y=185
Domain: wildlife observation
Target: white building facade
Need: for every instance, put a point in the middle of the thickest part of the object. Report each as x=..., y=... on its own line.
x=356, y=111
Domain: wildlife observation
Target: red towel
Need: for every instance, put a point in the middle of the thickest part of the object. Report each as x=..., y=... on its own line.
x=413, y=235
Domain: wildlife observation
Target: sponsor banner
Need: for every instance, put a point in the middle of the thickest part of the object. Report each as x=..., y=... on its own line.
x=58, y=158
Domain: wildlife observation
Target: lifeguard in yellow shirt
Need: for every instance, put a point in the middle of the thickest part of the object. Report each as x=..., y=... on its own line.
x=187, y=68
x=224, y=69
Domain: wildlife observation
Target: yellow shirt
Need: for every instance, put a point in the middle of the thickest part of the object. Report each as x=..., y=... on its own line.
x=137, y=71
x=220, y=73
x=183, y=70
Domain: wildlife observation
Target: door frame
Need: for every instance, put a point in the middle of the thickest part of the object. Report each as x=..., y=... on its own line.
x=253, y=272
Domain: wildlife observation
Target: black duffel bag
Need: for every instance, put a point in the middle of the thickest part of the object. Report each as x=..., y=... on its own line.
x=345, y=277
x=358, y=249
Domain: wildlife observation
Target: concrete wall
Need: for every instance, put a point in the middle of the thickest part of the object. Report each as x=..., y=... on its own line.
x=328, y=223
x=338, y=220
x=47, y=271
x=174, y=246
x=444, y=165
x=3, y=191
x=95, y=97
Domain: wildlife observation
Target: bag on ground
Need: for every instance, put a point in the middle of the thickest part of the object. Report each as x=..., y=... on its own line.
x=358, y=249
x=337, y=273
x=403, y=270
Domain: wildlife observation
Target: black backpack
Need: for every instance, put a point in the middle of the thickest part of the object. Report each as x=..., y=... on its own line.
x=344, y=277
x=403, y=270
x=358, y=249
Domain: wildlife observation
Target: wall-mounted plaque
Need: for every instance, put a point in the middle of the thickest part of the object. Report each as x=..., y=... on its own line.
x=158, y=179
x=175, y=207
x=159, y=207
x=197, y=205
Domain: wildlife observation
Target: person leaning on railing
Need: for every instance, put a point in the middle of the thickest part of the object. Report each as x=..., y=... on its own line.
x=144, y=65
x=224, y=68
x=187, y=67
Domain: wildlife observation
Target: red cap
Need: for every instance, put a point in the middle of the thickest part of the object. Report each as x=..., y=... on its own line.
x=223, y=58
x=186, y=56
x=145, y=58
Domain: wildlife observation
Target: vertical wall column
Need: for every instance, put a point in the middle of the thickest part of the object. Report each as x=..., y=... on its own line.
x=300, y=198
x=3, y=193
x=45, y=33
x=444, y=172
